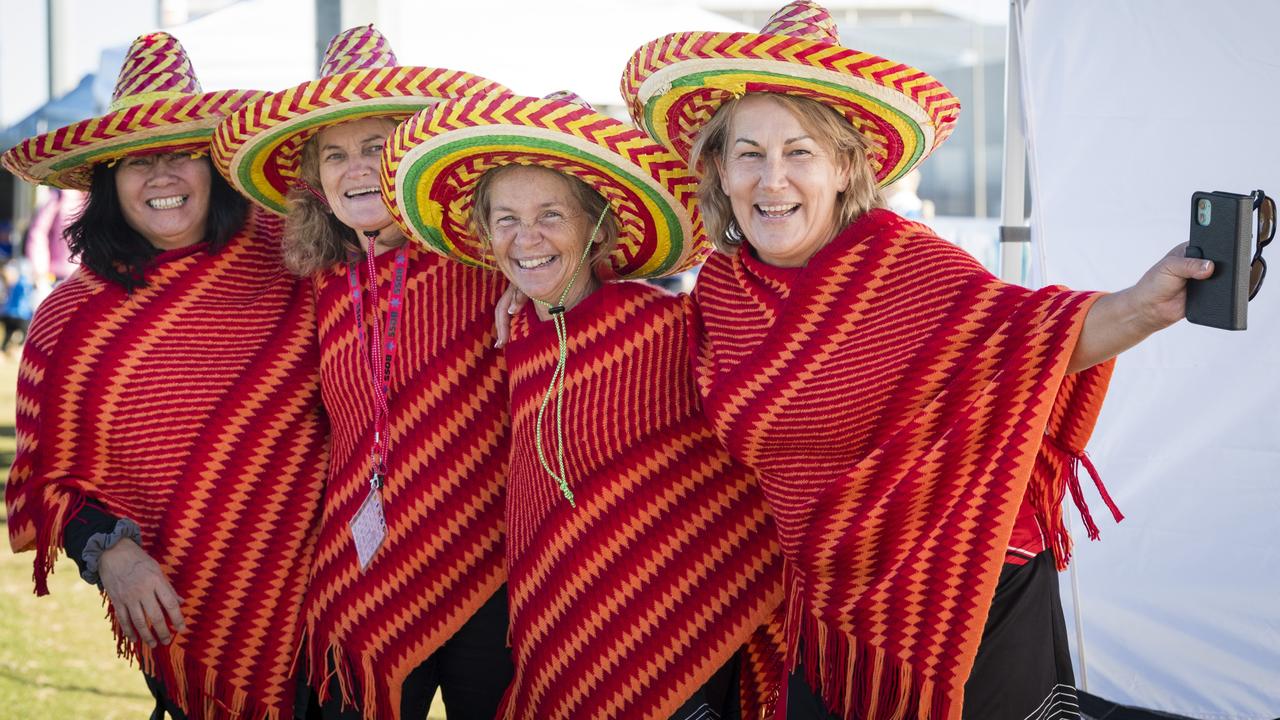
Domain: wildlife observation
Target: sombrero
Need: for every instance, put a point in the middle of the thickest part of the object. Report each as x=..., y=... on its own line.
x=157, y=107
x=259, y=148
x=675, y=84
x=434, y=159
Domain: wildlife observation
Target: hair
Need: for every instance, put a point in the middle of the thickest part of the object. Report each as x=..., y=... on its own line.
x=314, y=238
x=830, y=129
x=592, y=203
x=105, y=242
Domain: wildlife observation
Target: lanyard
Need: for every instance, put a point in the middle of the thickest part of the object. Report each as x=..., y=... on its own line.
x=378, y=354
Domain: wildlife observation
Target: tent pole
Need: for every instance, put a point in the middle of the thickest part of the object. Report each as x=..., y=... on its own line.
x=1014, y=233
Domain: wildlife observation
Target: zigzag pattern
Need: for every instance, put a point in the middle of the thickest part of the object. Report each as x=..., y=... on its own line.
x=245, y=135
x=625, y=605
x=894, y=401
x=446, y=471
x=805, y=20
x=643, y=234
x=694, y=106
x=193, y=407
x=359, y=48
x=147, y=127
x=154, y=63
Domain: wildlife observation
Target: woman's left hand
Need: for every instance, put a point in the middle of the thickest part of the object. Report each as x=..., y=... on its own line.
x=1118, y=321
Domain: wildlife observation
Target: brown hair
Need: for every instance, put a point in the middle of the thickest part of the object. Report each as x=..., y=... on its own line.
x=830, y=129
x=591, y=202
x=314, y=238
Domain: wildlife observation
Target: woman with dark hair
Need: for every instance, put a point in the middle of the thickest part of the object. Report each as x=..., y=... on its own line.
x=640, y=557
x=914, y=421
x=170, y=434
x=406, y=595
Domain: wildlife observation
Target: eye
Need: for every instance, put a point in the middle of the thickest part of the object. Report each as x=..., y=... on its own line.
x=552, y=215
x=506, y=221
x=333, y=156
x=139, y=162
x=749, y=154
x=374, y=149
x=799, y=152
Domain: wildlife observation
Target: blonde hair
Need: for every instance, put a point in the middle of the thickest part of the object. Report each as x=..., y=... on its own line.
x=828, y=128
x=314, y=238
x=591, y=202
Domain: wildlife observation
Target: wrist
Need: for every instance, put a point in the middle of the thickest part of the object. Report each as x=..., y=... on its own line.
x=102, y=543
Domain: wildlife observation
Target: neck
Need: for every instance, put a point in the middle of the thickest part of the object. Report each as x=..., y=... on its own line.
x=584, y=286
x=388, y=238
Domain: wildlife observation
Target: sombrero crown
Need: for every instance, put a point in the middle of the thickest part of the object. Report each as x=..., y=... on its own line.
x=259, y=148
x=157, y=106
x=676, y=83
x=434, y=159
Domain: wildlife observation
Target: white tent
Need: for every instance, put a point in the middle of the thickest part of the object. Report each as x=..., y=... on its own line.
x=1131, y=107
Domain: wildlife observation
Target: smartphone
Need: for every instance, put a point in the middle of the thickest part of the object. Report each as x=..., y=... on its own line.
x=1221, y=231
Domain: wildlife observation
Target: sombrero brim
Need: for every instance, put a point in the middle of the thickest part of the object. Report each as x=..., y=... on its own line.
x=259, y=147
x=675, y=84
x=65, y=157
x=435, y=158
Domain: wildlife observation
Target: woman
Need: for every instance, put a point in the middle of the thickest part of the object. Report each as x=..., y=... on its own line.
x=406, y=594
x=170, y=436
x=912, y=419
x=640, y=558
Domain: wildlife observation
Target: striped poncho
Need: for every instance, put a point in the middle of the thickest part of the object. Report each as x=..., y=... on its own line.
x=446, y=467
x=897, y=402
x=623, y=606
x=191, y=406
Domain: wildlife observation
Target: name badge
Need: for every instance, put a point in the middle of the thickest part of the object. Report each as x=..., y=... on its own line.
x=369, y=528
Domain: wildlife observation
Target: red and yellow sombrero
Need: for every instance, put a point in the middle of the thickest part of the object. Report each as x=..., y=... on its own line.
x=157, y=107
x=434, y=159
x=259, y=148
x=675, y=84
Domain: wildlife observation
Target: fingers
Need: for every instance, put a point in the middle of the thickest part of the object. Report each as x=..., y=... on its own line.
x=509, y=304
x=141, y=622
x=1189, y=268
x=172, y=606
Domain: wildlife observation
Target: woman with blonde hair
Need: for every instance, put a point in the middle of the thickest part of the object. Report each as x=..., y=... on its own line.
x=640, y=557
x=915, y=422
x=406, y=593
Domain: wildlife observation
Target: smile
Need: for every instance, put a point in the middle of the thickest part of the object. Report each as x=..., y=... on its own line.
x=777, y=211
x=167, y=203
x=361, y=192
x=533, y=263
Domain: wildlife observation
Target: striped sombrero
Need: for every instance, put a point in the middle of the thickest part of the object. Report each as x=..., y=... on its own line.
x=434, y=159
x=259, y=148
x=157, y=107
x=675, y=84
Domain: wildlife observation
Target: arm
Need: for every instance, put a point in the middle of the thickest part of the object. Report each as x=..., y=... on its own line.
x=1118, y=321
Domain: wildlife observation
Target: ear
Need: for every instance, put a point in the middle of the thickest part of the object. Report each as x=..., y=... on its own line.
x=844, y=172
x=719, y=161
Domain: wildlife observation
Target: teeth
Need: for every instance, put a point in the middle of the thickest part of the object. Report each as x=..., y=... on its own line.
x=534, y=262
x=361, y=192
x=167, y=203
x=777, y=210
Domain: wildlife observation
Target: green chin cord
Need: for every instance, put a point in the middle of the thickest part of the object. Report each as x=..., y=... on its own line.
x=557, y=378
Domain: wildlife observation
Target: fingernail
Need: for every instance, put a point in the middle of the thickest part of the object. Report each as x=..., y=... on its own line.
x=1204, y=264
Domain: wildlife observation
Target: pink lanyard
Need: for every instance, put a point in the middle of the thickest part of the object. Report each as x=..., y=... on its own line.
x=378, y=353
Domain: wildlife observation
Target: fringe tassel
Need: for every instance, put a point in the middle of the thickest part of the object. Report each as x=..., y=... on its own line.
x=211, y=698
x=857, y=680
x=1056, y=464
x=49, y=537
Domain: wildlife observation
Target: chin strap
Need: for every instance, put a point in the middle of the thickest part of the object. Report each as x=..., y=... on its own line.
x=557, y=312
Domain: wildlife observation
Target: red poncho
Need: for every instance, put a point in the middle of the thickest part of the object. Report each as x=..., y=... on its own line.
x=191, y=406
x=625, y=605
x=897, y=402
x=446, y=467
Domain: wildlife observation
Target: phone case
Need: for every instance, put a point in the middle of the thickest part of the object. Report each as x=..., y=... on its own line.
x=1222, y=300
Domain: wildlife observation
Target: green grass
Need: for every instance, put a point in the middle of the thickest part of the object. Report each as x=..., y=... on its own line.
x=57, y=655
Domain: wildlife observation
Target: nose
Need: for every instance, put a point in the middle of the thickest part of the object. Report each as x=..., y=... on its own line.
x=359, y=165
x=773, y=174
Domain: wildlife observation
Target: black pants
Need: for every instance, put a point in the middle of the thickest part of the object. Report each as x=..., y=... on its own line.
x=1023, y=668
x=472, y=671
x=717, y=699
x=163, y=702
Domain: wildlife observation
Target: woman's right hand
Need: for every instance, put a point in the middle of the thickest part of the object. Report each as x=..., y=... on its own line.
x=509, y=304
x=145, y=603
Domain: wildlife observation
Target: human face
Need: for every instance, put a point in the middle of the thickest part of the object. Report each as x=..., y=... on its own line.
x=781, y=182
x=165, y=197
x=350, y=155
x=539, y=232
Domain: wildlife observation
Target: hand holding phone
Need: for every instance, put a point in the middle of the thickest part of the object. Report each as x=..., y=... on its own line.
x=1222, y=231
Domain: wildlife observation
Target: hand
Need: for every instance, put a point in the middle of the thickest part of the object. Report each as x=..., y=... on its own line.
x=143, y=599
x=509, y=304
x=1121, y=320
x=1160, y=297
